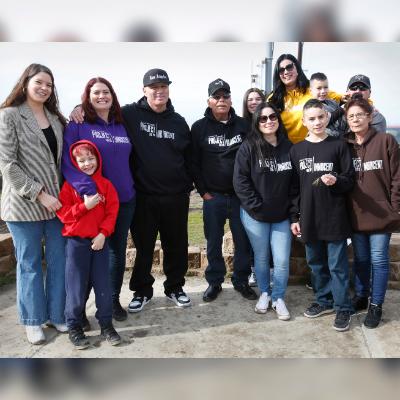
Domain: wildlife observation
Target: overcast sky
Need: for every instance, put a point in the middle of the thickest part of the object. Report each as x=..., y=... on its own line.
x=191, y=66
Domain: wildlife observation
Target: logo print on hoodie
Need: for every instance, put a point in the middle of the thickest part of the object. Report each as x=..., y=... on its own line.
x=309, y=165
x=274, y=166
x=367, y=165
x=221, y=141
x=152, y=131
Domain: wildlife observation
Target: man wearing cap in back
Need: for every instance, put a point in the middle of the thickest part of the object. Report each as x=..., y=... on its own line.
x=161, y=165
x=216, y=139
x=361, y=85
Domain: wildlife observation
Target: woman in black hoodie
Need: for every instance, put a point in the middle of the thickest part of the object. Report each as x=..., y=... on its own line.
x=262, y=180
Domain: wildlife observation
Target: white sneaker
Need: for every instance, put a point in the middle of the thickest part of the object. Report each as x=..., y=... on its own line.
x=35, y=334
x=62, y=328
x=252, y=280
x=279, y=307
x=262, y=304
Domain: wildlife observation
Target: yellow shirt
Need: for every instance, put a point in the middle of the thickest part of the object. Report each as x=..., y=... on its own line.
x=293, y=112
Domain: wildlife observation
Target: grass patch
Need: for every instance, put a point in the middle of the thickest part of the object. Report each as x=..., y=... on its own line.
x=195, y=229
x=7, y=279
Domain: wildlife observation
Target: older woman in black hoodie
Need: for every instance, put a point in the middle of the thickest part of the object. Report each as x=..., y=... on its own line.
x=374, y=207
x=262, y=178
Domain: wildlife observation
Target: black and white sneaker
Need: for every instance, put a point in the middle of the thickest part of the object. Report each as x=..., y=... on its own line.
x=180, y=298
x=137, y=303
x=342, y=321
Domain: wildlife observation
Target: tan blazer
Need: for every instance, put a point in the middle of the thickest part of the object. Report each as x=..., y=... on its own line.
x=27, y=164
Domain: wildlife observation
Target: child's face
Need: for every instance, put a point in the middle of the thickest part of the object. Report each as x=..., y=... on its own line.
x=319, y=89
x=87, y=162
x=315, y=120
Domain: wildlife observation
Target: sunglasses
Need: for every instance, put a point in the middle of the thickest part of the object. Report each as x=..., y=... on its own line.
x=287, y=68
x=358, y=87
x=265, y=118
x=219, y=96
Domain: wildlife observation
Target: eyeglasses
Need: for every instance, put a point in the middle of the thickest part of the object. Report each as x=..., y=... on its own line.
x=219, y=96
x=358, y=87
x=351, y=117
x=264, y=118
x=288, y=68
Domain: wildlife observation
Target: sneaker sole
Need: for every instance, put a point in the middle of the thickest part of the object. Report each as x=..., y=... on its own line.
x=136, y=310
x=260, y=310
x=82, y=347
x=179, y=304
x=346, y=328
x=325, y=312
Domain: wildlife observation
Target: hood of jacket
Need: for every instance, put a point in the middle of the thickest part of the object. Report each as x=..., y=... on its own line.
x=97, y=173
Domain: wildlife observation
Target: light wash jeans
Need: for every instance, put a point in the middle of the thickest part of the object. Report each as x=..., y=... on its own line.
x=371, y=254
x=264, y=238
x=39, y=301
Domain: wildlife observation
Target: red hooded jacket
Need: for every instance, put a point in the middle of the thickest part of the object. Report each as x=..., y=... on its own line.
x=77, y=219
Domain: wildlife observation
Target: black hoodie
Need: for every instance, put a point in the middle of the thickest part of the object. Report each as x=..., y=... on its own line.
x=215, y=145
x=161, y=149
x=263, y=185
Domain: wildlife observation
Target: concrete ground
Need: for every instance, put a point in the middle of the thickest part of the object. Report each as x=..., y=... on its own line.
x=225, y=328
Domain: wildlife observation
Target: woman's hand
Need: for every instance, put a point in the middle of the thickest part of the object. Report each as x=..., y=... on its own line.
x=48, y=201
x=328, y=179
x=77, y=115
x=91, y=201
x=207, y=196
x=98, y=242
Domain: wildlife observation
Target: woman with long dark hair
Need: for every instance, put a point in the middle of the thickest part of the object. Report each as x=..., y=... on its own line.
x=103, y=126
x=291, y=90
x=374, y=207
x=251, y=99
x=262, y=178
x=31, y=139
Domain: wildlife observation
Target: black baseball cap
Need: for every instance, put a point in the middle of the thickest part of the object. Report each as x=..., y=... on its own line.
x=155, y=75
x=216, y=85
x=359, y=79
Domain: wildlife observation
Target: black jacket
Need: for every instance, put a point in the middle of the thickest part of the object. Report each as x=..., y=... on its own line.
x=161, y=149
x=215, y=145
x=263, y=185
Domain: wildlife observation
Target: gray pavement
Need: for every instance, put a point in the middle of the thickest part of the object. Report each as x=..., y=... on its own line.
x=225, y=328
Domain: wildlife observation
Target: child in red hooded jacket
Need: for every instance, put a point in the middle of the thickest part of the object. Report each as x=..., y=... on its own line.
x=87, y=224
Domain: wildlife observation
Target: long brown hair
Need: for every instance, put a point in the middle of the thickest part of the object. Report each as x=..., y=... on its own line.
x=245, y=113
x=90, y=113
x=18, y=94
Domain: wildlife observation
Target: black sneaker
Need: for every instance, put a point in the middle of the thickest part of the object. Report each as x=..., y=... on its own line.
x=180, y=298
x=359, y=303
x=118, y=313
x=78, y=338
x=85, y=323
x=246, y=291
x=137, y=303
x=374, y=316
x=212, y=292
x=111, y=335
x=315, y=310
x=342, y=321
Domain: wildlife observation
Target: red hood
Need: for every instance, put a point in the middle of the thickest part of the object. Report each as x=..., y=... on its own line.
x=99, y=159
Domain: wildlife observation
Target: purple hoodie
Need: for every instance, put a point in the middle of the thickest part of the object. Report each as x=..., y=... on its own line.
x=115, y=148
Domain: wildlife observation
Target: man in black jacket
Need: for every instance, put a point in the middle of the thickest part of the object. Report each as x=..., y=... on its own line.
x=161, y=166
x=216, y=138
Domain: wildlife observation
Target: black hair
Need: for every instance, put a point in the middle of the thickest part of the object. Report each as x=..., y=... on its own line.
x=279, y=88
x=318, y=76
x=313, y=103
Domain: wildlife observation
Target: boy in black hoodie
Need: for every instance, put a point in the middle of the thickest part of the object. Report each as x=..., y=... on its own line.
x=325, y=174
x=216, y=139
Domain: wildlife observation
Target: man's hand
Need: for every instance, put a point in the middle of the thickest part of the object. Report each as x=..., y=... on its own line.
x=98, y=242
x=207, y=196
x=91, y=201
x=295, y=228
x=48, y=201
x=77, y=115
x=328, y=179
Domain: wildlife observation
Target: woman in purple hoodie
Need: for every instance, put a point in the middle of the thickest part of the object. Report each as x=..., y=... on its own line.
x=103, y=126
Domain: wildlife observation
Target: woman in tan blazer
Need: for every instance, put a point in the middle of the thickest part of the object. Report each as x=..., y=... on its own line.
x=31, y=135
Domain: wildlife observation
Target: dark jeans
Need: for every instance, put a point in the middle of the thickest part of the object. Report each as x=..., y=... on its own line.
x=169, y=216
x=86, y=268
x=371, y=254
x=215, y=213
x=117, y=244
x=330, y=269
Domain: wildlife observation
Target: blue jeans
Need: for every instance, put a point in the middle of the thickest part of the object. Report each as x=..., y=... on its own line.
x=37, y=301
x=330, y=268
x=371, y=253
x=264, y=238
x=215, y=213
x=117, y=246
